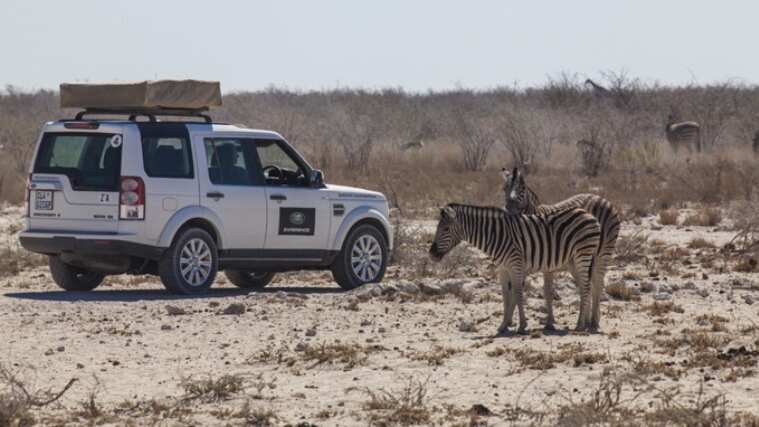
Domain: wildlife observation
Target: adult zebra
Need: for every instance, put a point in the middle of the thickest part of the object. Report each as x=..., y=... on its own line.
x=520, y=199
x=523, y=244
x=687, y=134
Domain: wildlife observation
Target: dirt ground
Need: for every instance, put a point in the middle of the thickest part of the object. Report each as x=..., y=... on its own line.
x=679, y=344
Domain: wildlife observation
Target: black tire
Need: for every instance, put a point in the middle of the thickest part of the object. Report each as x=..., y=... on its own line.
x=342, y=269
x=170, y=270
x=249, y=279
x=72, y=278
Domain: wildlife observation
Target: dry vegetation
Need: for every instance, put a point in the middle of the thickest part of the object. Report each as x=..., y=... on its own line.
x=679, y=342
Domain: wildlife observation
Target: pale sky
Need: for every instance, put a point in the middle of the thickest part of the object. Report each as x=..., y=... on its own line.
x=416, y=45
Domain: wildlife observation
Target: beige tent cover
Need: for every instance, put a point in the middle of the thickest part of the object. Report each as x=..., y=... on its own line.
x=193, y=94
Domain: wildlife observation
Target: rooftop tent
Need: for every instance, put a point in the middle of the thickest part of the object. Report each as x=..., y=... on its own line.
x=155, y=94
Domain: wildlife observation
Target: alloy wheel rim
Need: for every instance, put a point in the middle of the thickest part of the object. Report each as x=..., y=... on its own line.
x=366, y=258
x=195, y=262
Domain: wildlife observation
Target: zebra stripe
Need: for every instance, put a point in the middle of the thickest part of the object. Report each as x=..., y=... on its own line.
x=523, y=244
x=521, y=199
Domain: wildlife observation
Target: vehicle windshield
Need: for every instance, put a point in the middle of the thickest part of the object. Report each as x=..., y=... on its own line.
x=91, y=161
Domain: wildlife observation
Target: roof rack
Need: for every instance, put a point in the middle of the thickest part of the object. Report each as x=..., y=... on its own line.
x=150, y=112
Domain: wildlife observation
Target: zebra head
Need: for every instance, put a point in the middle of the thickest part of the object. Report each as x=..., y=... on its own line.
x=447, y=235
x=515, y=191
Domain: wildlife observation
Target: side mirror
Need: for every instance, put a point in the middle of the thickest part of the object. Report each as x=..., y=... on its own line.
x=316, y=179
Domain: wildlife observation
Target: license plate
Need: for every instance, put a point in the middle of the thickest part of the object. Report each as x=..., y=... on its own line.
x=43, y=200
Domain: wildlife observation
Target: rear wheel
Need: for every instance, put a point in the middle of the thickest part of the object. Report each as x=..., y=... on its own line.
x=363, y=258
x=189, y=265
x=72, y=278
x=249, y=279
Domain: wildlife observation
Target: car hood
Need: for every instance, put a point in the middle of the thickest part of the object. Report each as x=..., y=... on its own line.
x=345, y=192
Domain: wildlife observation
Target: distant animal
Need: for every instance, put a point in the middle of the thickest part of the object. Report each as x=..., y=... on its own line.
x=521, y=199
x=523, y=244
x=683, y=134
x=413, y=145
x=597, y=88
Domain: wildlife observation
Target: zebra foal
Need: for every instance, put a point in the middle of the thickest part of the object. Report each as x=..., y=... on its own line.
x=520, y=199
x=523, y=244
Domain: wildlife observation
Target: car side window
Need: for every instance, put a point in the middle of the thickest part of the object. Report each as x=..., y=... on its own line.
x=229, y=161
x=167, y=157
x=278, y=166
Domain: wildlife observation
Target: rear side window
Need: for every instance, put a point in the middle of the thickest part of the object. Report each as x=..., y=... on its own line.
x=167, y=157
x=89, y=160
x=231, y=161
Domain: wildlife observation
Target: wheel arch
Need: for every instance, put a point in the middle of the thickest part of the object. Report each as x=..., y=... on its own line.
x=193, y=216
x=361, y=216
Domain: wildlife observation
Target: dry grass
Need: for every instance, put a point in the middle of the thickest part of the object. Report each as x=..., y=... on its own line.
x=435, y=356
x=662, y=308
x=212, y=389
x=700, y=243
x=347, y=355
x=707, y=217
x=620, y=291
x=404, y=406
x=668, y=216
x=18, y=401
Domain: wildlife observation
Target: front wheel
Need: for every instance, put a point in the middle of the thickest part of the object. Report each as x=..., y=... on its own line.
x=363, y=258
x=72, y=278
x=249, y=279
x=189, y=265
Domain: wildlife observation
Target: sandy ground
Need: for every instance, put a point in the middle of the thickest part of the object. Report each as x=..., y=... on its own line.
x=313, y=354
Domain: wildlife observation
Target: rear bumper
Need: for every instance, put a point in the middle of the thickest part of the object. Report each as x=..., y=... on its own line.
x=96, y=245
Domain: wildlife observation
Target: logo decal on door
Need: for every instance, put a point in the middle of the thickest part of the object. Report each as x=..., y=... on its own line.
x=297, y=221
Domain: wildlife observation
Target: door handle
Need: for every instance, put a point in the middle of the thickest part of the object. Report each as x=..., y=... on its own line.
x=214, y=195
x=278, y=197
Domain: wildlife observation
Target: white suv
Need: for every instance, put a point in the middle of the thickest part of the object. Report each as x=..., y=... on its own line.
x=184, y=200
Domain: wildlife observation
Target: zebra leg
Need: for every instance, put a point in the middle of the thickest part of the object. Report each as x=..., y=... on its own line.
x=597, y=279
x=517, y=281
x=509, y=300
x=581, y=274
x=548, y=296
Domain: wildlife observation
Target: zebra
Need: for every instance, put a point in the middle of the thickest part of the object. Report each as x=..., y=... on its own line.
x=522, y=244
x=598, y=90
x=520, y=199
x=683, y=134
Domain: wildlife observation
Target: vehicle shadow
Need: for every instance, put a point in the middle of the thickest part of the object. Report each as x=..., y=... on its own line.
x=136, y=295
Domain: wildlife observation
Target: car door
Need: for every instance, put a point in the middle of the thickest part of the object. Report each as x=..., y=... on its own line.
x=299, y=216
x=231, y=186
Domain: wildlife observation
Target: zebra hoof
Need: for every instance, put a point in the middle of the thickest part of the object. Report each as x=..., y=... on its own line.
x=549, y=327
x=522, y=331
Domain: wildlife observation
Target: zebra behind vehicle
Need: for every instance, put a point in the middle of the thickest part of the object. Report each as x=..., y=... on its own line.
x=523, y=244
x=521, y=199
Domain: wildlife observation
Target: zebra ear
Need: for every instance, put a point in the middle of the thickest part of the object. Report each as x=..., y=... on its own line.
x=449, y=212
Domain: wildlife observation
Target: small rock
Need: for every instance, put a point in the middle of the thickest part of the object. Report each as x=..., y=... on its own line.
x=60, y=349
x=301, y=346
x=748, y=299
x=662, y=296
x=173, y=310
x=430, y=289
x=166, y=327
x=689, y=285
x=702, y=293
x=408, y=287
x=647, y=287
x=213, y=304
x=467, y=326
x=381, y=330
x=235, y=308
x=311, y=332
x=479, y=410
x=452, y=286
x=79, y=366
x=49, y=352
